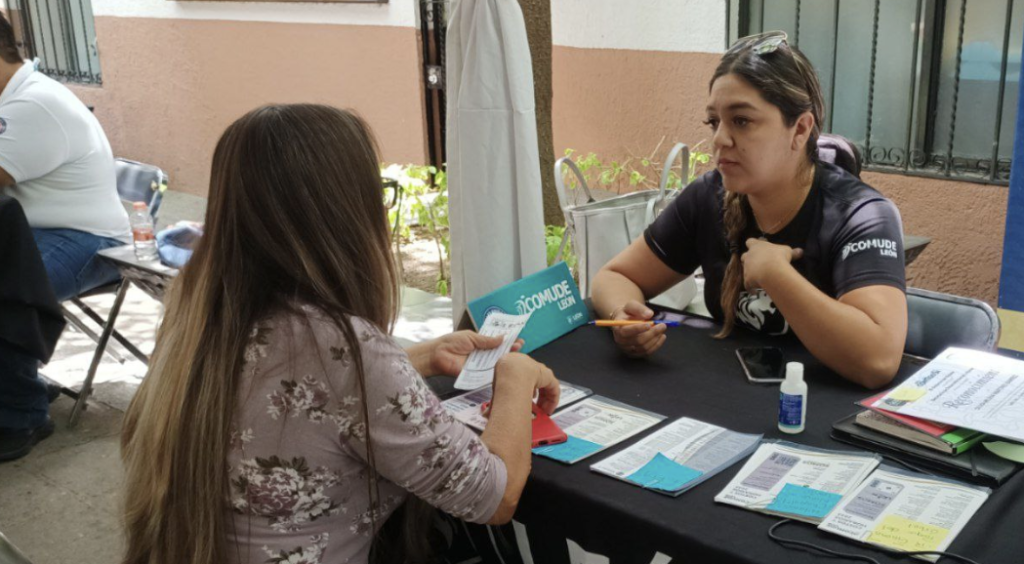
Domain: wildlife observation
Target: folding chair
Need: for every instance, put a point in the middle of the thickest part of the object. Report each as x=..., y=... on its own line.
x=938, y=321
x=136, y=182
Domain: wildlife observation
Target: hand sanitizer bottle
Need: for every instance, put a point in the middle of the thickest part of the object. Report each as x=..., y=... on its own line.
x=793, y=400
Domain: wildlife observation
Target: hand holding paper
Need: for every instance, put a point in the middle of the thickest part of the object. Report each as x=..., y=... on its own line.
x=451, y=351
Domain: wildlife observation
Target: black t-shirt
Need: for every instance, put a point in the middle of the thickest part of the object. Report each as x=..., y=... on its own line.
x=851, y=235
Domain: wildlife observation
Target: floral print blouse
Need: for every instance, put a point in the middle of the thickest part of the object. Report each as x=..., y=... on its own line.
x=298, y=459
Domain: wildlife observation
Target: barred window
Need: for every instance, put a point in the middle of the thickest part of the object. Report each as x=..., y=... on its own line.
x=923, y=88
x=62, y=34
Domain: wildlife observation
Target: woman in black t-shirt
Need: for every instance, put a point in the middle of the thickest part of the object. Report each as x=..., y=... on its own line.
x=786, y=242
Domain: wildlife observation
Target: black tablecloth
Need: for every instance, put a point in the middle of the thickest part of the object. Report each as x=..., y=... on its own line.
x=697, y=376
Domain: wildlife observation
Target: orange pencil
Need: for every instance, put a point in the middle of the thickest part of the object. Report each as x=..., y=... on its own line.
x=625, y=322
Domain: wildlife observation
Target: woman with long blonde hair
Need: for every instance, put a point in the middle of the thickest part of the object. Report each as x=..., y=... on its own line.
x=788, y=244
x=279, y=421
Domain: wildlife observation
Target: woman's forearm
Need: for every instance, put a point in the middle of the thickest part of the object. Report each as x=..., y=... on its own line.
x=843, y=337
x=611, y=291
x=420, y=355
x=508, y=435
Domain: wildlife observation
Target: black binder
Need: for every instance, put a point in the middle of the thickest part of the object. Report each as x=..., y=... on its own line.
x=977, y=465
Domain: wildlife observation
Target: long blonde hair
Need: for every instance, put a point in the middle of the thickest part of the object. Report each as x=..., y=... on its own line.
x=295, y=216
x=785, y=79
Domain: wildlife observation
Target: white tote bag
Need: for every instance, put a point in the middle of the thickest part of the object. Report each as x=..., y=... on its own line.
x=599, y=230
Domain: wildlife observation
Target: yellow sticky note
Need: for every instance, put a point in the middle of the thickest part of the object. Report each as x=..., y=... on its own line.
x=910, y=536
x=907, y=394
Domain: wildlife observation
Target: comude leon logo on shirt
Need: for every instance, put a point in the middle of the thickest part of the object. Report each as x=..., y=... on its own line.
x=3, y=125
x=886, y=247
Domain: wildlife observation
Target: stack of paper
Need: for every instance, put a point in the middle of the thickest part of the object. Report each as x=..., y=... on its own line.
x=595, y=424
x=964, y=388
x=796, y=481
x=678, y=456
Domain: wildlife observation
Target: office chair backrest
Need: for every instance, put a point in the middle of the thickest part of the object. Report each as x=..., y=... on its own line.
x=139, y=182
x=939, y=321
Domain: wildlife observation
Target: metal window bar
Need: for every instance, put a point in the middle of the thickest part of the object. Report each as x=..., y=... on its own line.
x=61, y=33
x=919, y=154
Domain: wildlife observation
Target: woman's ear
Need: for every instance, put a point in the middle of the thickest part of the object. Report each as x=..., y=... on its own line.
x=802, y=130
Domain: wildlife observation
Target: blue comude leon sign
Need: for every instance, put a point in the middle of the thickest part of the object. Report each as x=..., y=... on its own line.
x=551, y=296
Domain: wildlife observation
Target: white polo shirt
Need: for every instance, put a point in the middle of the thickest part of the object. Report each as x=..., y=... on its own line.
x=59, y=157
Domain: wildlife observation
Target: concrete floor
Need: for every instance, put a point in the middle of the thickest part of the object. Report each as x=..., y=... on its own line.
x=60, y=503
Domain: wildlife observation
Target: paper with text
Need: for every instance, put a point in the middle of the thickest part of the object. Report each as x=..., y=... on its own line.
x=479, y=368
x=777, y=465
x=703, y=447
x=906, y=511
x=466, y=408
x=967, y=388
x=599, y=421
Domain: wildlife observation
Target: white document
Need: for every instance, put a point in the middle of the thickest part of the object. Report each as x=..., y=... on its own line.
x=704, y=447
x=466, y=408
x=967, y=388
x=906, y=511
x=595, y=424
x=778, y=464
x=479, y=368
x=604, y=421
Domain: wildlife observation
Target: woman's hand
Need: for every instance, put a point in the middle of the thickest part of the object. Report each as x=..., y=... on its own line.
x=448, y=354
x=639, y=340
x=763, y=259
x=523, y=370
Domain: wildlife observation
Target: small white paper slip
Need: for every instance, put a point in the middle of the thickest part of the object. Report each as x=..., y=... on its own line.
x=479, y=368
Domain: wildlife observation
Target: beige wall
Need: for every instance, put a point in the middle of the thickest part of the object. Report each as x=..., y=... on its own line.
x=619, y=103
x=966, y=223
x=171, y=86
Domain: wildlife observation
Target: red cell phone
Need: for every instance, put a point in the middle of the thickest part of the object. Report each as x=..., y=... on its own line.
x=545, y=430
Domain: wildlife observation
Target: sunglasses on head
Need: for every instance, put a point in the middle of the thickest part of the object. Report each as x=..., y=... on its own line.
x=764, y=43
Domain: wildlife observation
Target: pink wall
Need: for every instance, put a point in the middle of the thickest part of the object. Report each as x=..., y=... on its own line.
x=170, y=87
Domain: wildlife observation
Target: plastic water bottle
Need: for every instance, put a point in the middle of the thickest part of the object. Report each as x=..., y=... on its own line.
x=793, y=400
x=142, y=232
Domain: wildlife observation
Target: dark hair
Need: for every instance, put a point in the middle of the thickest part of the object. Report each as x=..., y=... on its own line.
x=8, y=42
x=785, y=79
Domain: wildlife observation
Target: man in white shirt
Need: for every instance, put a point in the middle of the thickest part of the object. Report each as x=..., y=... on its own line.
x=56, y=161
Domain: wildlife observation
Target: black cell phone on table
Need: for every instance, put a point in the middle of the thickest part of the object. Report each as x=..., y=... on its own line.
x=762, y=365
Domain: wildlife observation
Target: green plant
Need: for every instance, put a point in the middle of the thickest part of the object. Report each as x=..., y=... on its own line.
x=553, y=241
x=423, y=197
x=634, y=171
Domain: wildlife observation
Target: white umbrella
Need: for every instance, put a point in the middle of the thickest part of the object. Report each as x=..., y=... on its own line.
x=494, y=183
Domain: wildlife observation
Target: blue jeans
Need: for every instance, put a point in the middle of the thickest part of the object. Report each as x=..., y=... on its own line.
x=71, y=261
